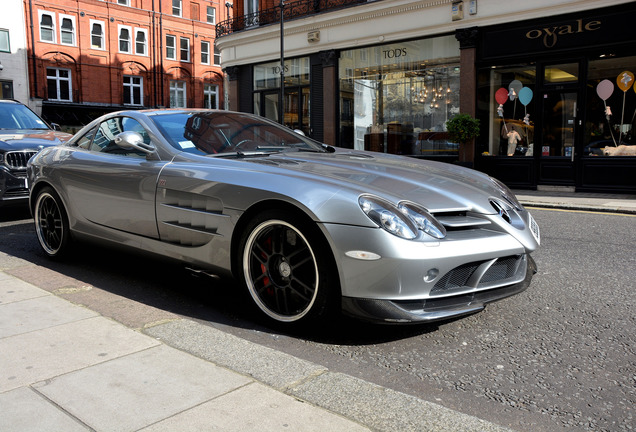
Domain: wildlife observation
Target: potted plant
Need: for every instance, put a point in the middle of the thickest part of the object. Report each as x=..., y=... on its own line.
x=462, y=129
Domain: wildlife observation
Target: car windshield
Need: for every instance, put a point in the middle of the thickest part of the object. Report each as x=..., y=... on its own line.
x=16, y=116
x=229, y=133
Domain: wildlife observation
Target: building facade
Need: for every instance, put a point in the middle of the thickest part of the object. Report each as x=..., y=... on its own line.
x=386, y=75
x=13, y=53
x=88, y=57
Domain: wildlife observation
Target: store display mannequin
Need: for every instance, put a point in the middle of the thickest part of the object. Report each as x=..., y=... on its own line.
x=513, y=139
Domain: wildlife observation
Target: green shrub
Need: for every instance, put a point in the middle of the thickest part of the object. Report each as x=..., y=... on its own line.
x=462, y=128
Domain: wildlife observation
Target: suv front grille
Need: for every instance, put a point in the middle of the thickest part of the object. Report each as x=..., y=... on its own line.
x=18, y=159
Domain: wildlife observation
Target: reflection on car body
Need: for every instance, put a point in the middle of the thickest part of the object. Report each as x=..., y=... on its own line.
x=308, y=229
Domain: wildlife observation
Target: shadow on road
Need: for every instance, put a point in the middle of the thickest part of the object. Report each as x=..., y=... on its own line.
x=168, y=286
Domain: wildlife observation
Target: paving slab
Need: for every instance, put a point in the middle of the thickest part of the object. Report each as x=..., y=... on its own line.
x=269, y=366
x=256, y=408
x=13, y=289
x=49, y=352
x=139, y=389
x=24, y=410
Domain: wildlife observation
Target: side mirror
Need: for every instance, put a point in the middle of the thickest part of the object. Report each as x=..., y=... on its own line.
x=299, y=132
x=131, y=140
x=56, y=126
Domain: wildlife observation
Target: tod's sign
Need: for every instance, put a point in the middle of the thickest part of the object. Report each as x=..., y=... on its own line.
x=550, y=35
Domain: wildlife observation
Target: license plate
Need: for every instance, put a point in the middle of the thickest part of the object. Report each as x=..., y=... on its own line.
x=534, y=228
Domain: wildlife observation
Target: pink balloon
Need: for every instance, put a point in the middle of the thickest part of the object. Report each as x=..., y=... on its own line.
x=604, y=89
x=501, y=96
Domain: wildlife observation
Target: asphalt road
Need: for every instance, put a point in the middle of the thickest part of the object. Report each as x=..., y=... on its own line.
x=560, y=356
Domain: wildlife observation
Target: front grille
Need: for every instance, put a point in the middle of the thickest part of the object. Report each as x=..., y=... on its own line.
x=502, y=269
x=481, y=275
x=18, y=160
x=455, y=280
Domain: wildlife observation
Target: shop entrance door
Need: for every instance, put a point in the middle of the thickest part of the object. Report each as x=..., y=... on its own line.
x=559, y=129
x=296, y=114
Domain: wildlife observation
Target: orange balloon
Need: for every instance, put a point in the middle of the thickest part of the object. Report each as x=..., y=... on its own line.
x=625, y=80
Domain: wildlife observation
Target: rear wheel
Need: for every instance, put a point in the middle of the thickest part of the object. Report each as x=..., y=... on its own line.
x=287, y=269
x=51, y=223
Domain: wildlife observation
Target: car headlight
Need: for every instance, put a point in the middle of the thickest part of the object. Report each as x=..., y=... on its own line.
x=507, y=194
x=423, y=219
x=388, y=217
x=403, y=220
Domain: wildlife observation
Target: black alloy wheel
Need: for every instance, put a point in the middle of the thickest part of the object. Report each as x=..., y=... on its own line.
x=285, y=277
x=51, y=223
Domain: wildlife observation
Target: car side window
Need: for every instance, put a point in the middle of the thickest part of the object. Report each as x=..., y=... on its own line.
x=105, y=134
x=85, y=141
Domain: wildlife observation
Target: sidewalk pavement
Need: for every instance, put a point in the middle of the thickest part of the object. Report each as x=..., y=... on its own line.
x=566, y=200
x=64, y=367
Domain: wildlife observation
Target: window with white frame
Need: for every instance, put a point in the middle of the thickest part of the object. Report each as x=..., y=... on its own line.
x=67, y=30
x=211, y=15
x=133, y=90
x=184, y=49
x=205, y=52
x=141, y=41
x=97, y=35
x=58, y=84
x=176, y=7
x=124, y=39
x=210, y=96
x=4, y=41
x=171, y=42
x=124, y=2
x=47, y=27
x=177, y=94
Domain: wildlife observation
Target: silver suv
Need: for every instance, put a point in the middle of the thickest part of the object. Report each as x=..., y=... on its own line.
x=22, y=134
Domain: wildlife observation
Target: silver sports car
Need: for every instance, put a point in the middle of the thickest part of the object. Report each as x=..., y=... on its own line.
x=307, y=228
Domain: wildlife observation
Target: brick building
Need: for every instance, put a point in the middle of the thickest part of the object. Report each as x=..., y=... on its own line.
x=88, y=57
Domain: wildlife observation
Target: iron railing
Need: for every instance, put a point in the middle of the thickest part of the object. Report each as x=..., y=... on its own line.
x=292, y=10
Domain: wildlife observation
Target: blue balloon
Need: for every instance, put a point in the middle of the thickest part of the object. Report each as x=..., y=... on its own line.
x=525, y=95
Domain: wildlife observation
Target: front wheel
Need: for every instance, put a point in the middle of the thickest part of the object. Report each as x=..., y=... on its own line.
x=287, y=269
x=51, y=223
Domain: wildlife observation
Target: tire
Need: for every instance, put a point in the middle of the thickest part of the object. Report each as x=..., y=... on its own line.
x=51, y=223
x=283, y=272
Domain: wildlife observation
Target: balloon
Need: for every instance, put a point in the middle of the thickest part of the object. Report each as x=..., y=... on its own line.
x=525, y=95
x=625, y=80
x=513, y=89
x=501, y=96
x=604, y=89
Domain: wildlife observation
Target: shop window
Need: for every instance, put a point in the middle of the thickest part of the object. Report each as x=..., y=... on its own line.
x=177, y=94
x=506, y=101
x=561, y=73
x=396, y=98
x=58, y=82
x=610, y=119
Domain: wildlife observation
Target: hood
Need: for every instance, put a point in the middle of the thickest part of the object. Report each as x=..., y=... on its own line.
x=22, y=139
x=435, y=185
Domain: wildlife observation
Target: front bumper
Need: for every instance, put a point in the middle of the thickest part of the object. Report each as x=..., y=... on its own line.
x=433, y=309
x=13, y=187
